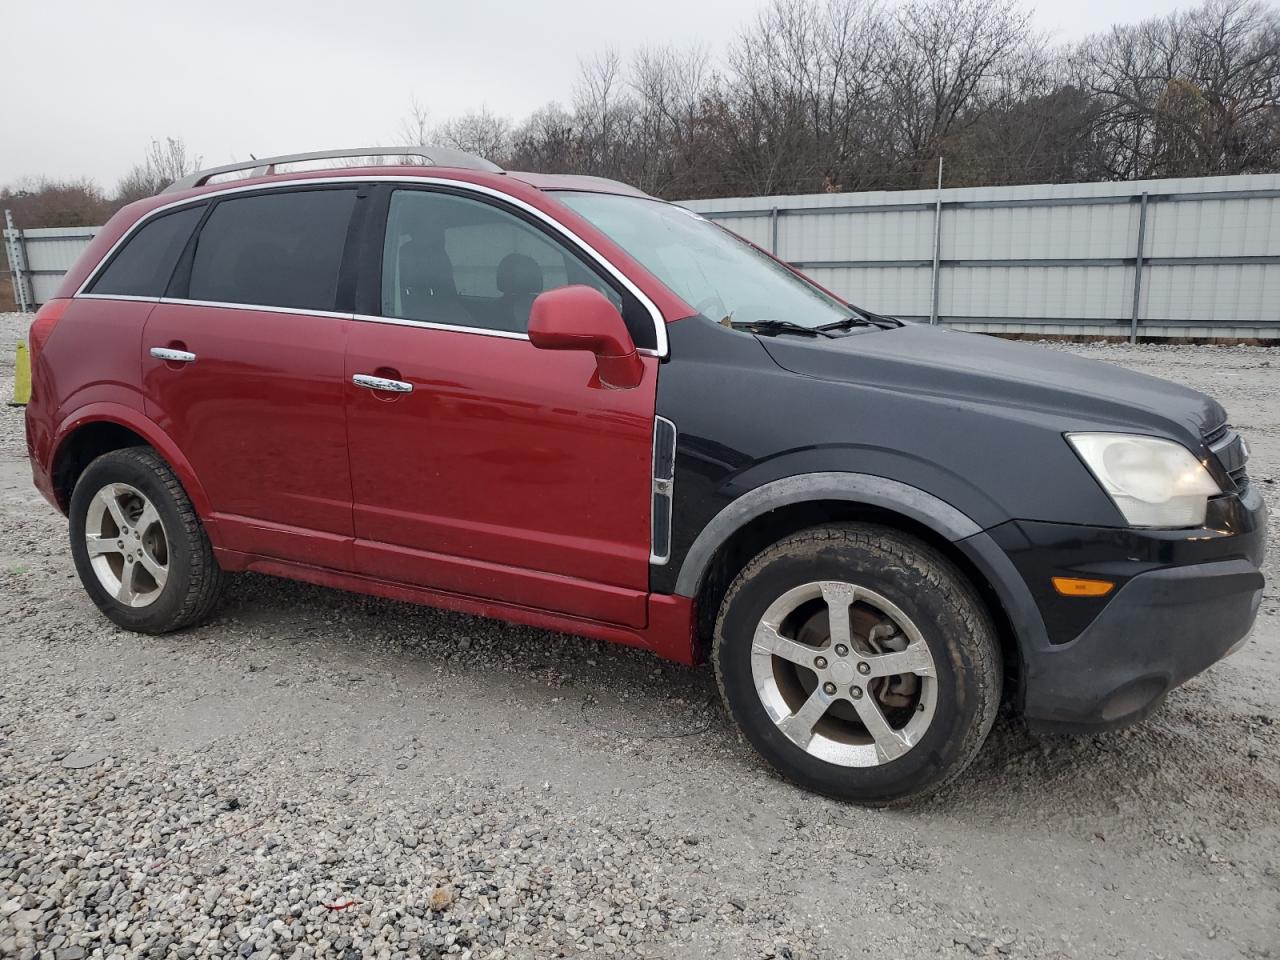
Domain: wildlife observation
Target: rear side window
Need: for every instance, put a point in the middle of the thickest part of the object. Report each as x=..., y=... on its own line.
x=273, y=250
x=141, y=268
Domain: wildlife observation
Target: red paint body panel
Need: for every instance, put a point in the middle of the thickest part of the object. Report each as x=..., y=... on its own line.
x=670, y=633
x=93, y=355
x=259, y=415
x=509, y=472
x=44, y=454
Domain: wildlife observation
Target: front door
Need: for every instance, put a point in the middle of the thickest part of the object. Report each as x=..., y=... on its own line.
x=244, y=370
x=495, y=470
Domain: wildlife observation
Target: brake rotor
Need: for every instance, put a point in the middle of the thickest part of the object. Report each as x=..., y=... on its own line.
x=872, y=633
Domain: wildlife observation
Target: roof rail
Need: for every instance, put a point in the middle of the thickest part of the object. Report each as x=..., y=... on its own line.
x=435, y=156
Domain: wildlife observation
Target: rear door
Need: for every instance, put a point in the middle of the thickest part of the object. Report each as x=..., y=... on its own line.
x=499, y=470
x=243, y=367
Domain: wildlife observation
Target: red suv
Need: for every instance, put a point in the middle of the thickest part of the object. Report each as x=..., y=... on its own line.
x=558, y=401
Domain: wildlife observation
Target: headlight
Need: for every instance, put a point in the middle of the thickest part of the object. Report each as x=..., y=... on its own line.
x=1154, y=483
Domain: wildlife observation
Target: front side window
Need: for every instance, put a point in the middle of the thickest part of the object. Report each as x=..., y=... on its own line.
x=273, y=250
x=143, y=265
x=719, y=275
x=461, y=262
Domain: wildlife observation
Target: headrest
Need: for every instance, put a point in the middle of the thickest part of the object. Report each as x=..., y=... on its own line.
x=426, y=264
x=519, y=274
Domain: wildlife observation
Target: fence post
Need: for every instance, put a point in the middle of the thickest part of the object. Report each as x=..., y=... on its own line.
x=15, y=250
x=937, y=247
x=773, y=227
x=1137, y=268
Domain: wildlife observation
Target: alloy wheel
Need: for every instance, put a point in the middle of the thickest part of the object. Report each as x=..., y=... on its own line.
x=844, y=673
x=127, y=546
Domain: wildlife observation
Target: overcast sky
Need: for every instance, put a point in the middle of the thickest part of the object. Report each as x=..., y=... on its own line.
x=89, y=82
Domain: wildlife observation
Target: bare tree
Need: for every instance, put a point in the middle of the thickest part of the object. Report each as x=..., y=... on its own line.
x=165, y=162
x=546, y=141
x=1189, y=94
x=483, y=133
x=944, y=63
x=670, y=87
x=416, y=127
x=604, y=115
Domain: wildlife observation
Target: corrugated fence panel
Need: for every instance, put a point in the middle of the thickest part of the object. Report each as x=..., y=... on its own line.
x=755, y=229
x=879, y=285
x=1048, y=258
x=49, y=252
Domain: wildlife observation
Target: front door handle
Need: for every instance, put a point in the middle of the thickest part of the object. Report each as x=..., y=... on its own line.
x=171, y=355
x=381, y=383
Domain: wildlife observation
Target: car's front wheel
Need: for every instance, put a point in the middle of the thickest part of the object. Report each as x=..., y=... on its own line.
x=859, y=662
x=138, y=546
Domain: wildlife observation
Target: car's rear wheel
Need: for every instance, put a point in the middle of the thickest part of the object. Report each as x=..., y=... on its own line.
x=859, y=662
x=139, y=548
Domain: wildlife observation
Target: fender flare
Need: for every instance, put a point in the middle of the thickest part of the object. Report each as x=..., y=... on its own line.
x=976, y=544
x=149, y=430
x=894, y=495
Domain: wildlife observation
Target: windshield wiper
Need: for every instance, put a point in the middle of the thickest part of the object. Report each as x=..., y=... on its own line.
x=862, y=318
x=774, y=327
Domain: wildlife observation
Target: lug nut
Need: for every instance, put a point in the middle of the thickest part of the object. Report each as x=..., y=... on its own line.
x=820, y=663
x=842, y=650
x=829, y=688
x=864, y=667
x=855, y=692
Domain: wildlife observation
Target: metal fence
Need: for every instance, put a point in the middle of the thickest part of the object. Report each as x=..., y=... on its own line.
x=1156, y=258
x=38, y=258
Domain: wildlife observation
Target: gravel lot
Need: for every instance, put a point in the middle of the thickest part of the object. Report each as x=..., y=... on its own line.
x=320, y=774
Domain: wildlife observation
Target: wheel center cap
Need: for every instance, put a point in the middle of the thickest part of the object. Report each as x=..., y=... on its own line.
x=842, y=671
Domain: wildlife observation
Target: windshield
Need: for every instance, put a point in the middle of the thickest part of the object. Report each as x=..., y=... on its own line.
x=719, y=275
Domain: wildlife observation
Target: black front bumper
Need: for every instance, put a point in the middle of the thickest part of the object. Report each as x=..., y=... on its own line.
x=1161, y=629
x=1184, y=600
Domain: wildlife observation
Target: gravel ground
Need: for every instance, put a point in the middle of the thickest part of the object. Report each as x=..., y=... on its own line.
x=320, y=774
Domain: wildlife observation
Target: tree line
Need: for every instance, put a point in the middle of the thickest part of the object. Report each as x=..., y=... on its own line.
x=849, y=95
x=78, y=203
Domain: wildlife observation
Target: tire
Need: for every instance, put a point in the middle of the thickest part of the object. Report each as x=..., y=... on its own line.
x=151, y=570
x=903, y=598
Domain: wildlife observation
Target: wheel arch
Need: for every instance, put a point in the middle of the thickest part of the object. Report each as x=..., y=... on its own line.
x=775, y=510
x=103, y=427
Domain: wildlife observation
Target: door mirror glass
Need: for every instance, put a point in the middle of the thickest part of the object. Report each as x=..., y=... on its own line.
x=581, y=318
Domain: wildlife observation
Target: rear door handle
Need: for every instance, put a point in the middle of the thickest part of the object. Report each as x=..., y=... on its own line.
x=174, y=356
x=381, y=383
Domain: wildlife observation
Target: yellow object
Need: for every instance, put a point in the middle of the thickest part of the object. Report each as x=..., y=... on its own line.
x=22, y=378
x=1076, y=587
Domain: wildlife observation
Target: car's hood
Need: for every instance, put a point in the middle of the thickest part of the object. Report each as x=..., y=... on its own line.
x=919, y=359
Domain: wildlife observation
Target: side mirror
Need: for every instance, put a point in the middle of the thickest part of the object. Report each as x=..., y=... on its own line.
x=582, y=318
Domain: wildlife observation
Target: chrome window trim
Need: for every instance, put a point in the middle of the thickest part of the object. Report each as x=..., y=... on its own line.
x=257, y=307
x=447, y=327
x=117, y=296
x=458, y=328
x=559, y=229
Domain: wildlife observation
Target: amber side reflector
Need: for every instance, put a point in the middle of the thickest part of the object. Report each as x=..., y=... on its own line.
x=1076, y=587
